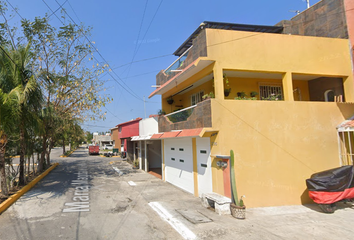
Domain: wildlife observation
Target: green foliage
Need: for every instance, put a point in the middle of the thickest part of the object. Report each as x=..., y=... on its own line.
x=273, y=97
x=161, y=112
x=236, y=201
x=208, y=95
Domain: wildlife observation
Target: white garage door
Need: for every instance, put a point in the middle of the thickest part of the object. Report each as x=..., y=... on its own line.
x=179, y=163
x=204, y=166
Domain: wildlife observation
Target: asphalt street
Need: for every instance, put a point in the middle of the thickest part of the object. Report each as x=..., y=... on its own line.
x=92, y=197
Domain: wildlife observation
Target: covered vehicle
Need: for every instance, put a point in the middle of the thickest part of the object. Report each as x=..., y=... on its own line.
x=331, y=186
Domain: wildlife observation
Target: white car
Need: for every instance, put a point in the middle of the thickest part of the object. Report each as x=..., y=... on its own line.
x=108, y=147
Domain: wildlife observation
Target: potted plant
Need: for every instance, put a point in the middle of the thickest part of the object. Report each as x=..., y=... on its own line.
x=237, y=207
x=136, y=164
x=208, y=95
x=161, y=112
x=241, y=94
x=254, y=94
x=227, y=88
x=170, y=100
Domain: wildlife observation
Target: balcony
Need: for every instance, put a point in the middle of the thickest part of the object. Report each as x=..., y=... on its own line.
x=196, y=50
x=197, y=116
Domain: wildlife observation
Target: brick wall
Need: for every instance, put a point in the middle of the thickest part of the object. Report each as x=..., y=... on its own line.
x=201, y=117
x=199, y=49
x=327, y=18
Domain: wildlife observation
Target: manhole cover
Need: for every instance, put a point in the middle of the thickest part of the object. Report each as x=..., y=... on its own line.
x=194, y=216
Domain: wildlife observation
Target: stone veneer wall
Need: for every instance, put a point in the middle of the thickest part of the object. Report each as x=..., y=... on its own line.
x=201, y=117
x=199, y=49
x=325, y=19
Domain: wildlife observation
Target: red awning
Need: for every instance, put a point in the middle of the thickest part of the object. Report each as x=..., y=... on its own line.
x=181, y=133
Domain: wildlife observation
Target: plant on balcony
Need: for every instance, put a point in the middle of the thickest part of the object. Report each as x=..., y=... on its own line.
x=161, y=112
x=245, y=98
x=237, y=207
x=241, y=94
x=170, y=100
x=208, y=95
x=180, y=116
x=253, y=94
x=273, y=97
x=227, y=88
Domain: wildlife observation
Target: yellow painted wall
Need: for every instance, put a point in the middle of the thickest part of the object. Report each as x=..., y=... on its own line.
x=248, y=85
x=280, y=53
x=277, y=145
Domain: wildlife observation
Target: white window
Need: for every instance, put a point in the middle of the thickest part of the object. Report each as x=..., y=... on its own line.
x=266, y=91
x=196, y=97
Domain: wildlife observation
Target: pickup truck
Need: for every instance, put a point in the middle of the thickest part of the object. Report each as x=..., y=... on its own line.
x=94, y=150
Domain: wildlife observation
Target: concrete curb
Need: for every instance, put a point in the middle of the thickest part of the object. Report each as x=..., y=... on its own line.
x=63, y=156
x=13, y=198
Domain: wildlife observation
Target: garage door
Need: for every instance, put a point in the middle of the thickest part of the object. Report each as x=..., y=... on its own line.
x=204, y=166
x=179, y=163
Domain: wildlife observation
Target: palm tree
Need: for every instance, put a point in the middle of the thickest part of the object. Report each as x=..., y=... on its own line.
x=8, y=112
x=16, y=75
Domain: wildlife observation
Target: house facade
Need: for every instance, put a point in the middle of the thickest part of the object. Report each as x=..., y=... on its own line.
x=126, y=131
x=148, y=152
x=327, y=18
x=275, y=99
x=115, y=138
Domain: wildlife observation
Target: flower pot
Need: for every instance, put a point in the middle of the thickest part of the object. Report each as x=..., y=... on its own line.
x=237, y=211
x=170, y=101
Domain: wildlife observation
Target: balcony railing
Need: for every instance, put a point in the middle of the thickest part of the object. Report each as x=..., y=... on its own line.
x=196, y=116
x=181, y=115
x=177, y=65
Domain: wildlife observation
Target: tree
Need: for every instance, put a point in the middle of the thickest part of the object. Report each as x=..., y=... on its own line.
x=9, y=111
x=18, y=75
x=70, y=86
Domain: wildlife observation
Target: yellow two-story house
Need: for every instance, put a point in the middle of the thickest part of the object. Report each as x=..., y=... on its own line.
x=274, y=99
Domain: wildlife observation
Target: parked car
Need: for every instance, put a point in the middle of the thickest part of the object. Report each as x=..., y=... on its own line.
x=108, y=147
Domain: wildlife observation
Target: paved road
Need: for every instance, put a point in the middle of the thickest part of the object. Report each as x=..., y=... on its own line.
x=111, y=210
x=89, y=197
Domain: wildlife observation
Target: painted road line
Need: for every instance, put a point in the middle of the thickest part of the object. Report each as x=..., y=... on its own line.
x=81, y=196
x=131, y=183
x=120, y=173
x=176, y=224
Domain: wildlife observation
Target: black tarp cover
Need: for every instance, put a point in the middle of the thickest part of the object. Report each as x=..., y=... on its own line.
x=333, y=180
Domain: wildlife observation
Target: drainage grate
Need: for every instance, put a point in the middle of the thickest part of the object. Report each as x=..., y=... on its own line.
x=193, y=216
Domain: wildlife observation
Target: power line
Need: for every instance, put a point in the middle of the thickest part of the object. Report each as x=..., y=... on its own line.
x=142, y=60
x=14, y=9
x=137, y=40
x=146, y=31
x=131, y=91
x=57, y=9
x=112, y=113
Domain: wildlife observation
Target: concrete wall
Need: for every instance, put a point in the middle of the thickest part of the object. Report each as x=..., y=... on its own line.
x=148, y=126
x=115, y=138
x=277, y=145
x=349, y=13
x=278, y=53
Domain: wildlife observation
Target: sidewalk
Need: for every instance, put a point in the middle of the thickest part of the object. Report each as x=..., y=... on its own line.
x=288, y=222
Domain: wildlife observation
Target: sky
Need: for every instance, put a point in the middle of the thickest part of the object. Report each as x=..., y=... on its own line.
x=138, y=37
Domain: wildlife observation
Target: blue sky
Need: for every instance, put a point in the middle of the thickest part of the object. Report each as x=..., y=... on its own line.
x=119, y=29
